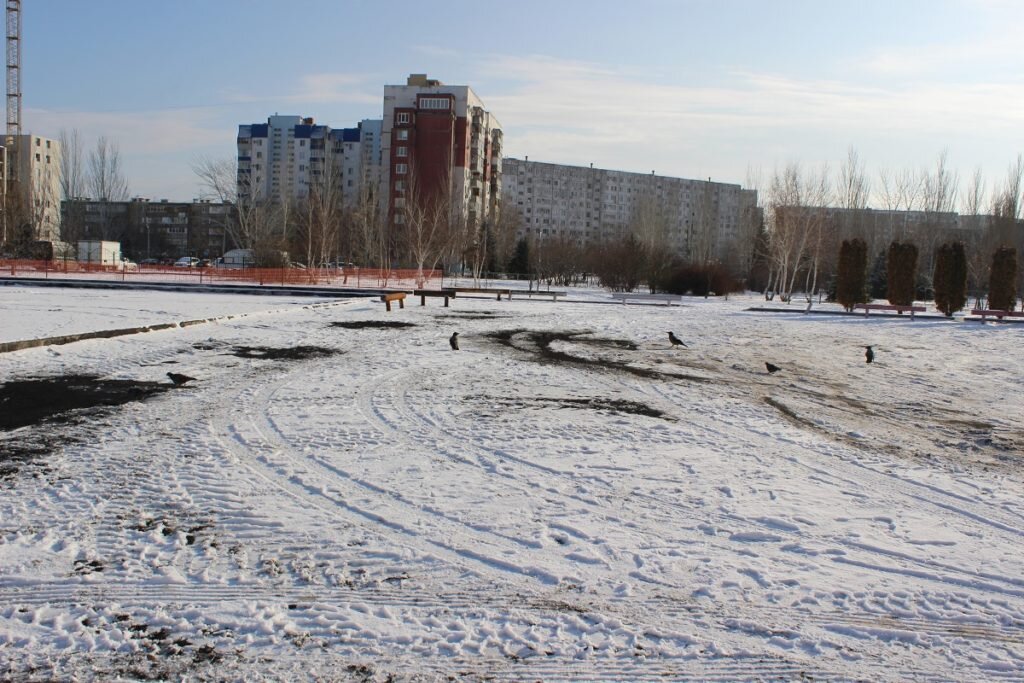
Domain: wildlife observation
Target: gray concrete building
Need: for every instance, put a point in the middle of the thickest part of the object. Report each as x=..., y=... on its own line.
x=698, y=219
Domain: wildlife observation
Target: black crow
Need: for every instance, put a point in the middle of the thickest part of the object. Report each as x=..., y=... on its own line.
x=180, y=379
x=676, y=341
x=869, y=354
x=772, y=369
x=454, y=341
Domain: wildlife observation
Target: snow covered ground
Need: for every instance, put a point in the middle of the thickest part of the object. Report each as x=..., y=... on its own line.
x=36, y=313
x=567, y=497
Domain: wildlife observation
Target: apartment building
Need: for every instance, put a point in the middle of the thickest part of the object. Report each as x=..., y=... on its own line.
x=439, y=141
x=152, y=229
x=288, y=157
x=31, y=173
x=697, y=218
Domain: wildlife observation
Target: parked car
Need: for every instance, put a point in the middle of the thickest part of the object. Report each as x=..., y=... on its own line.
x=150, y=261
x=186, y=262
x=130, y=266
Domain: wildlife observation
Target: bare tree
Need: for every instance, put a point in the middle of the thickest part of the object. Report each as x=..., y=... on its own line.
x=253, y=222
x=940, y=189
x=796, y=220
x=975, y=228
x=429, y=223
x=650, y=224
x=369, y=237
x=72, y=184
x=320, y=216
x=106, y=181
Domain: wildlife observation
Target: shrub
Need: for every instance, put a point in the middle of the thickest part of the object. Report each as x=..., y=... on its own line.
x=901, y=273
x=950, y=278
x=700, y=280
x=852, y=278
x=1002, y=279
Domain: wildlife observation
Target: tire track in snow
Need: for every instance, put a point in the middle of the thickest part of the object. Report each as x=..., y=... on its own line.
x=311, y=482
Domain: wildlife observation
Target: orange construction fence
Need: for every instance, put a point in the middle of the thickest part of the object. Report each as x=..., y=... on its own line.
x=352, y=276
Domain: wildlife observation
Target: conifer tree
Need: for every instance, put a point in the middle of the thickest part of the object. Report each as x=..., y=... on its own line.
x=950, y=278
x=901, y=272
x=1002, y=280
x=852, y=279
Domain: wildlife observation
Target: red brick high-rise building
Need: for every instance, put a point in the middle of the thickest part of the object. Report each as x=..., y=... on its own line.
x=439, y=142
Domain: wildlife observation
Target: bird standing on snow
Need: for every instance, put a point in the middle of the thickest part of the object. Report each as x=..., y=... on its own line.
x=869, y=354
x=180, y=379
x=454, y=341
x=676, y=341
x=772, y=369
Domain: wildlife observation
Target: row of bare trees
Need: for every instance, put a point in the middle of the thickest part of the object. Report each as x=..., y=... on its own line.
x=426, y=230
x=98, y=175
x=808, y=212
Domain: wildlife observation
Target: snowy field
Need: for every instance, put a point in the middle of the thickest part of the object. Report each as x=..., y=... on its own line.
x=37, y=312
x=567, y=497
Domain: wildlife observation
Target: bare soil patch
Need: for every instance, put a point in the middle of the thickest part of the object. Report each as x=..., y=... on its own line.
x=55, y=402
x=371, y=324
x=286, y=353
x=608, y=405
x=539, y=344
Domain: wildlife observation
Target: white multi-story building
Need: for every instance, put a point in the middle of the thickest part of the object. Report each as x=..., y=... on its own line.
x=36, y=188
x=593, y=205
x=440, y=139
x=287, y=157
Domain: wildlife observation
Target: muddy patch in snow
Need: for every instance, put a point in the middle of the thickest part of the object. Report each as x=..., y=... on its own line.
x=371, y=324
x=569, y=347
x=608, y=405
x=483, y=315
x=32, y=400
x=54, y=402
x=285, y=353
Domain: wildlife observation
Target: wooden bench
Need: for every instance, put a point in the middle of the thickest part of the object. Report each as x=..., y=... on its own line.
x=889, y=307
x=393, y=296
x=484, y=290
x=535, y=292
x=668, y=299
x=996, y=313
x=424, y=293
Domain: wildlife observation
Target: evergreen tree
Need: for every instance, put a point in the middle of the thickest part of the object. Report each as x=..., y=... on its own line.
x=901, y=270
x=878, y=281
x=519, y=264
x=852, y=279
x=950, y=278
x=1002, y=280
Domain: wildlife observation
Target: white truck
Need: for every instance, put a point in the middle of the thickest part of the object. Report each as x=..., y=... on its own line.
x=236, y=258
x=99, y=252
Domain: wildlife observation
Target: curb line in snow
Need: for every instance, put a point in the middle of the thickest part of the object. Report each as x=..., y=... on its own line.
x=7, y=347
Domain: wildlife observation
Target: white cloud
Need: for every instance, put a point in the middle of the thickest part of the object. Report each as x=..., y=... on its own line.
x=566, y=111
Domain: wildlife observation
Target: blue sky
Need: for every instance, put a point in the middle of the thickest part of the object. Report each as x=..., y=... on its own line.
x=689, y=88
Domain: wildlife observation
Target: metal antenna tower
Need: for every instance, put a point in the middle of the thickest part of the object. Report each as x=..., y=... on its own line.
x=13, y=68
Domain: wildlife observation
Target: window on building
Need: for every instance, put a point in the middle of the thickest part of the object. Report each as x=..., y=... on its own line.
x=402, y=151
x=403, y=134
x=403, y=117
x=400, y=186
x=302, y=143
x=401, y=169
x=434, y=103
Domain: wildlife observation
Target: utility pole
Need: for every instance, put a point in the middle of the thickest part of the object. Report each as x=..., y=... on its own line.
x=10, y=162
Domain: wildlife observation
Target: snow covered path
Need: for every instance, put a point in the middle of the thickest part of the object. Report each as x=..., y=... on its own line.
x=566, y=497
